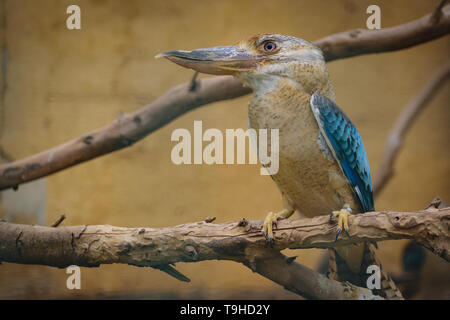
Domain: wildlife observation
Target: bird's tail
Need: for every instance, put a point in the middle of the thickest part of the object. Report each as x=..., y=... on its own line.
x=339, y=270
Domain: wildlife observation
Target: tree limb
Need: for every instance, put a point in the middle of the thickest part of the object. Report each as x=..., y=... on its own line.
x=404, y=122
x=91, y=246
x=181, y=99
x=361, y=41
x=302, y=280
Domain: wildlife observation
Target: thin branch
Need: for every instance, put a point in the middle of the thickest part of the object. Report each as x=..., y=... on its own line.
x=132, y=127
x=437, y=14
x=406, y=118
x=58, y=222
x=193, y=84
x=122, y=133
x=91, y=246
x=360, y=41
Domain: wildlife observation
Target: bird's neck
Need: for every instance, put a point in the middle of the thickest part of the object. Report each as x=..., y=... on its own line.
x=307, y=78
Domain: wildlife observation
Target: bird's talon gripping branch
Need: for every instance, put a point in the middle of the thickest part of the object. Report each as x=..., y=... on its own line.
x=270, y=221
x=267, y=230
x=342, y=216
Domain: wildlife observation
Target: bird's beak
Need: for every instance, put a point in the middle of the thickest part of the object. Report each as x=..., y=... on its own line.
x=217, y=60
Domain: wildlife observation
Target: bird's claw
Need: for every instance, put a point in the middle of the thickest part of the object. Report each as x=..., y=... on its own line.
x=338, y=232
x=342, y=216
x=271, y=221
x=267, y=228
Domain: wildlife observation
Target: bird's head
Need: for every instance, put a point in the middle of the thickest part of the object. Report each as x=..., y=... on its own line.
x=258, y=59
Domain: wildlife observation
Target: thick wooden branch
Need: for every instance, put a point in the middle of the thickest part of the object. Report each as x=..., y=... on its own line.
x=93, y=245
x=404, y=121
x=242, y=242
x=178, y=100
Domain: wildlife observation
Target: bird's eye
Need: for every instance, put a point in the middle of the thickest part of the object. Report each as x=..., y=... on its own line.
x=269, y=46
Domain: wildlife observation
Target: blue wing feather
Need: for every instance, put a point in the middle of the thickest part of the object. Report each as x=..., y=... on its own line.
x=347, y=146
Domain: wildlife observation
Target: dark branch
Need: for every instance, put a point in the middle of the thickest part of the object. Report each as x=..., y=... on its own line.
x=58, y=222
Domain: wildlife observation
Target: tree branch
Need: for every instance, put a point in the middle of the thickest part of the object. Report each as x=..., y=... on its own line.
x=181, y=99
x=404, y=122
x=302, y=280
x=361, y=41
x=91, y=246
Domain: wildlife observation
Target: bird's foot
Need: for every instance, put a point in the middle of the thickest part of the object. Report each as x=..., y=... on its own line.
x=271, y=220
x=342, y=216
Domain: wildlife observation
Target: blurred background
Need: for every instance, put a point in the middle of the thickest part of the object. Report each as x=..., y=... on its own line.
x=57, y=84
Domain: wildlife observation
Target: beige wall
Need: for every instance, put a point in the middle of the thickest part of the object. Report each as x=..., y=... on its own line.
x=61, y=84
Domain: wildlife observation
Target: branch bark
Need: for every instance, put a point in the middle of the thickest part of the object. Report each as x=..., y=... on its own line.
x=132, y=127
x=406, y=118
x=91, y=246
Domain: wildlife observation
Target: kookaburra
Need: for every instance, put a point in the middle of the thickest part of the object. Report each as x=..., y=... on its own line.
x=323, y=167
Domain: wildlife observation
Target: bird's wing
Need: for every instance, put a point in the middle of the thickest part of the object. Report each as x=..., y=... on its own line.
x=346, y=145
